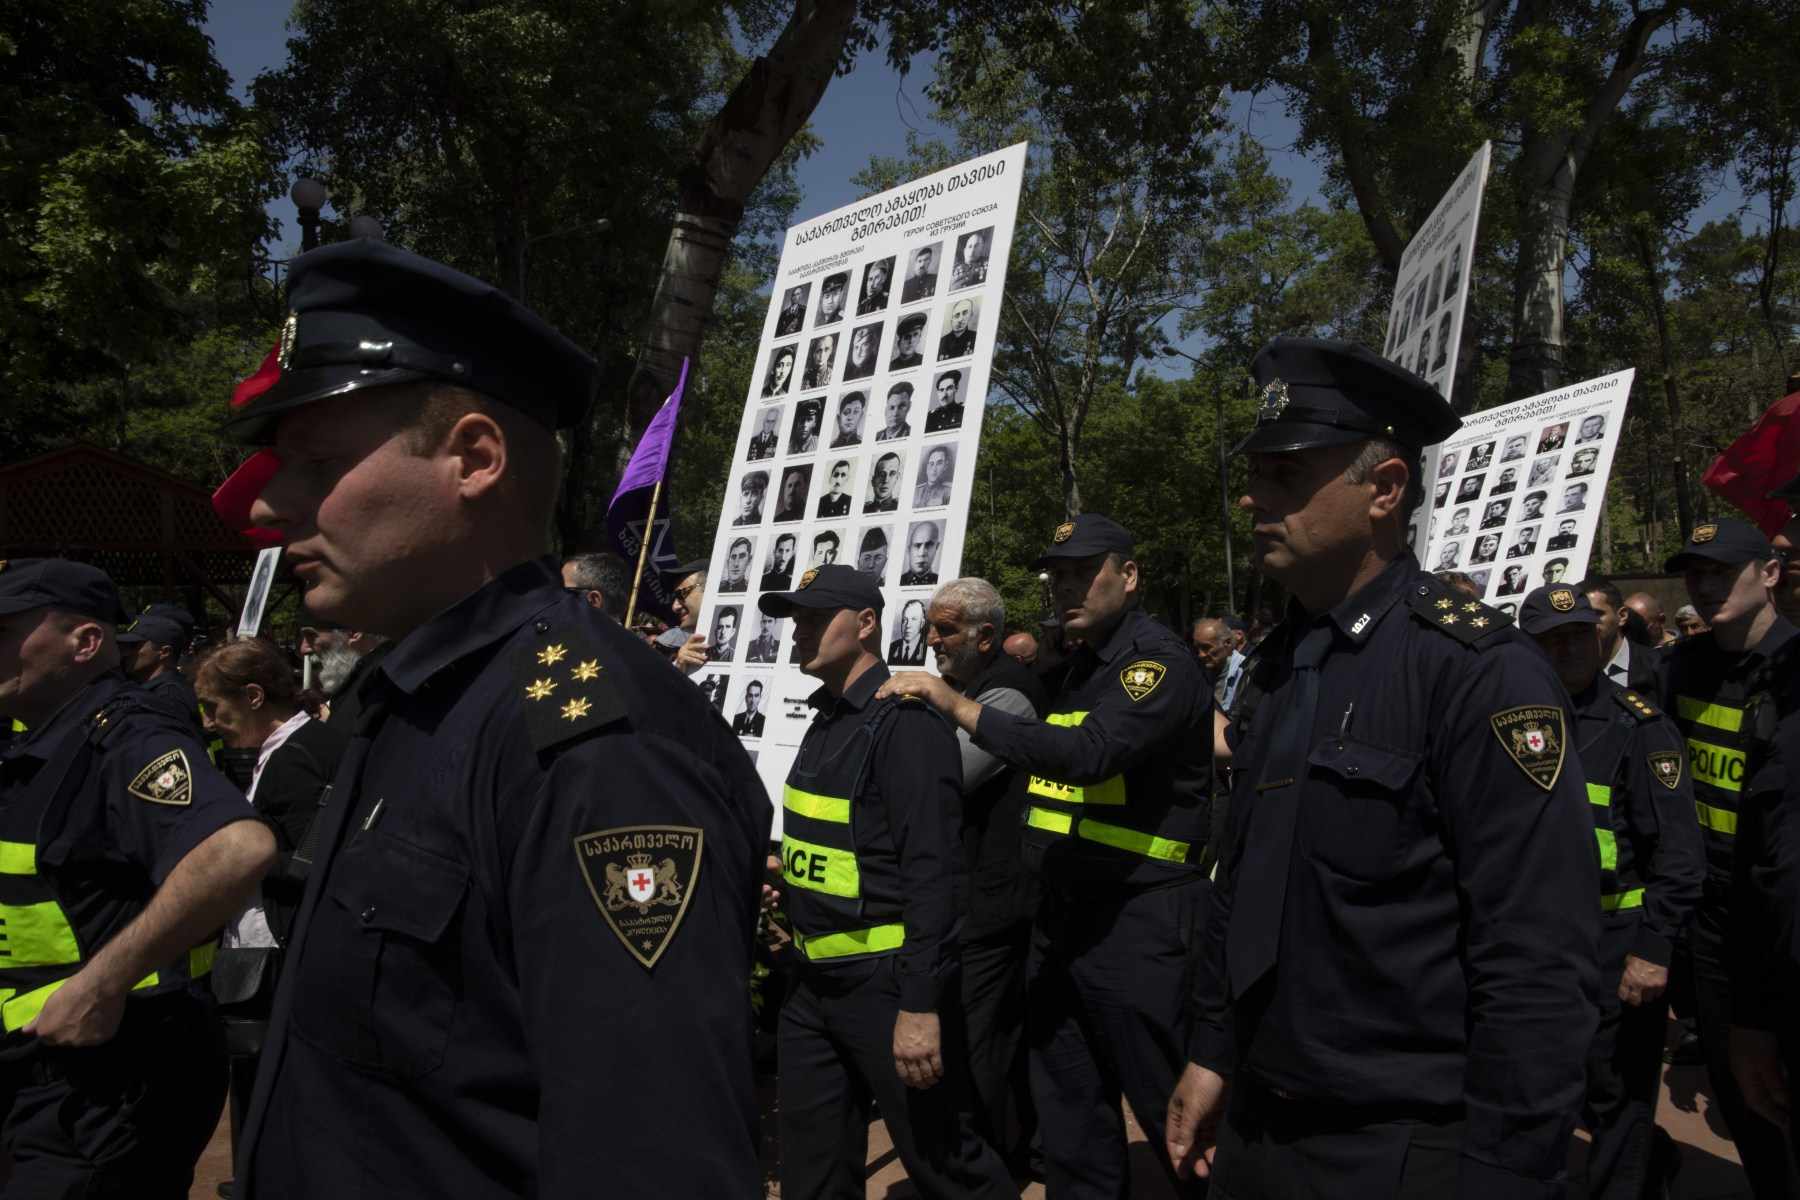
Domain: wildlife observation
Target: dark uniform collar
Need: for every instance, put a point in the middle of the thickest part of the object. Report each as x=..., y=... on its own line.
x=856, y=697
x=42, y=741
x=1779, y=634
x=483, y=617
x=1357, y=615
x=1120, y=640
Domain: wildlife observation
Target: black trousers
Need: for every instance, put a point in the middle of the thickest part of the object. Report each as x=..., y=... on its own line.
x=1761, y=1146
x=993, y=995
x=837, y=1056
x=1268, y=1150
x=1623, y=1066
x=125, y=1119
x=1107, y=999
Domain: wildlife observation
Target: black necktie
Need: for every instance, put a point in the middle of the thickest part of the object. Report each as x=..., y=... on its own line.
x=1254, y=936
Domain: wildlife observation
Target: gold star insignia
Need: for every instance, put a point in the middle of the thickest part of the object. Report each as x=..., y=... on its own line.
x=550, y=655
x=1478, y=623
x=1471, y=606
x=1449, y=618
x=541, y=688
x=576, y=709
x=1446, y=604
x=587, y=669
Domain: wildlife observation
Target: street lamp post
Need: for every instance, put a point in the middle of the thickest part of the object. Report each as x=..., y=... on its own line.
x=1224, y=480
x=309, y=196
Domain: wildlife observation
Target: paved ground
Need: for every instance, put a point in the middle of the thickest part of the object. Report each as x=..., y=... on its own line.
x=1709, y=1168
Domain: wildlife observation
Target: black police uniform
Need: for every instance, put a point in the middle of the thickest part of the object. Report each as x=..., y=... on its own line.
x=996, y=935
x=521, y=962
x=98, y=805
x=873, y=876
x=1116, y=822
x=170, y=686
x=1727, y=705
x=1651, y=867
x=1396, y=1014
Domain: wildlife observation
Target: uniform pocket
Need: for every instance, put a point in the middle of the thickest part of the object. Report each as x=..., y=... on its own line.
x=382, y=968
x=1356, y=810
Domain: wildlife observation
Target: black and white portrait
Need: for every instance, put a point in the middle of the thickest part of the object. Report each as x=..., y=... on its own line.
x=909, y=337
x=1480, y=456
x=1515, y=447
x=767, y=438
x=790, y=501
x=780, y=373
x=1487, y=549
x=1583, y=461
x=804, y=437
x=1524, y=542
x=896, y=409
x=847, y=429
x=1449, y=557
x=748, y=722
x=250, y=620
x=820, y=356
x=923, y=542
x=1404, y=318
x=832, y=294
x=1422, y=360
x=766, y=645
x=1552, y=437
x=1593, y=428
x=1556, y=570
x=971, y=266
x=946, y=403
x=825, y=546
x=1459, y=523
x=1447, y=464
x=877, y=278
x=1441, y=496
x=937, y=470
x=1508, y=481
x=1532, y=507
x=778, y=571
x=1453, y=273
x=1442, y=358
x=865, y=351
x=921, y=273
x=1434, y=292
x=1565, y=536
x=884, y=483
x=840, y=483
x=1469, y=488
x=872, y=553
x=907, y=647
x=793, y=310
x=1574, y=498
x=1494, y=515
x=1543, y=469
x=960, y=321
x=735, y=577
x=722, y=646
x=1480, y=578
x=752, y=489
x=1512, y=581
x=712, y=686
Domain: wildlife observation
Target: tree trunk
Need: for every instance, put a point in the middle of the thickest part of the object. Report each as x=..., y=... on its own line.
x=1653, y=284
x=1071, y=486
x=1537, y=343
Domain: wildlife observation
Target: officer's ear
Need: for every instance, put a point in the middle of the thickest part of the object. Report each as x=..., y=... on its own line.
x=1769, y=573
x=1128, y=571
x=254, y=695
x=1389, y=478
x=868, y=626
x=88, y=640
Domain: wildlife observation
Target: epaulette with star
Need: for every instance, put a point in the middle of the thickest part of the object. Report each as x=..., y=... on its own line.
x=1466, y=620
x=565, y=689
x=1636, y=705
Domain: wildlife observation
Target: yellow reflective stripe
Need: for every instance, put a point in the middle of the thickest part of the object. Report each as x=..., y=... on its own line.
x=18, y=858
x=1121, y=838
x=1609, y=849
x=1107, y=791
x=19, y=1009
x=1053, y=822
x=835, y=809
x=820, y=868
x=1719, y=716
x=1719, y=766
x=200, y=959
x=36, y=935
x=1613, y=903
x=1719, y=820
x=1599, y=793
x=857, y=941
x=1067, y=720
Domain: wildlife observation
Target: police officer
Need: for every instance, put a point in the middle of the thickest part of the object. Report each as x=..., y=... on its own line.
x=150, y=650
x=122, y=852
x=520, y=964
x=1727, y=689
x=1383, y=1009
x=1651, y=866
x=874, y=878
x=1116, y=825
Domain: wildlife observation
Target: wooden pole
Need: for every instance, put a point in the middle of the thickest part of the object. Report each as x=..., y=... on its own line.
x=643, y=552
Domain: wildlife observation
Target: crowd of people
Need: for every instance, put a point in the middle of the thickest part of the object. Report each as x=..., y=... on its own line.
x=1382, y=894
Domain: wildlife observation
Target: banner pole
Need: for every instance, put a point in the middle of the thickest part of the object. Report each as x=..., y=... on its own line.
x=643, y=552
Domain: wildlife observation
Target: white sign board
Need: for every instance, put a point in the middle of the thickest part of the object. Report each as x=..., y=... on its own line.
x=859, y=434
x=257, y=598
x=1516, y=495
x=1431, y=290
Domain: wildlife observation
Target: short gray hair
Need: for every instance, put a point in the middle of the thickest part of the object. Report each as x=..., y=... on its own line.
x=1376, y=451
x=976, y=599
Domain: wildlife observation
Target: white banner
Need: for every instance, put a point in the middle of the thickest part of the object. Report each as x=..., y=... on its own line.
x=1431, y=290
x=860, y=431
x=1517, y=492
x=257, y=598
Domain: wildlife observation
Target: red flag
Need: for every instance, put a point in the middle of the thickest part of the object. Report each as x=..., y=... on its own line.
x=235, y=496
x=264, y=379
x=1759, y=462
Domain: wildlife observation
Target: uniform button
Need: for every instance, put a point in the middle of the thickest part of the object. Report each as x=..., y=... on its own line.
x=368, y=914
x=1352, y=769
x=542, y=627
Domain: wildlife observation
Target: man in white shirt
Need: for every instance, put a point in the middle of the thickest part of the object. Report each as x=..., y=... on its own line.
x=1627, y=664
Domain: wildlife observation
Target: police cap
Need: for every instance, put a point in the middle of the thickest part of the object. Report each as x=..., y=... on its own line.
x=1557, y=604
x=28, y=583
x=1320, y=392
x=836, y=585
x=154, y=627
x=1085, y=536
x=364, y=314
x=1728, y=541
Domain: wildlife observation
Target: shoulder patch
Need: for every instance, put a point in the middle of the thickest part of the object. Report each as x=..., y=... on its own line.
x=1533, y=737
x=1455, y=614
x=1665, y=768
x=1636, y=705
x=1141, y=677
x=563, y=686
x=642, y=878
x=166, y=779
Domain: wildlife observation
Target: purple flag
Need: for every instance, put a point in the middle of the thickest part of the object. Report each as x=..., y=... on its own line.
x=629, y=511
